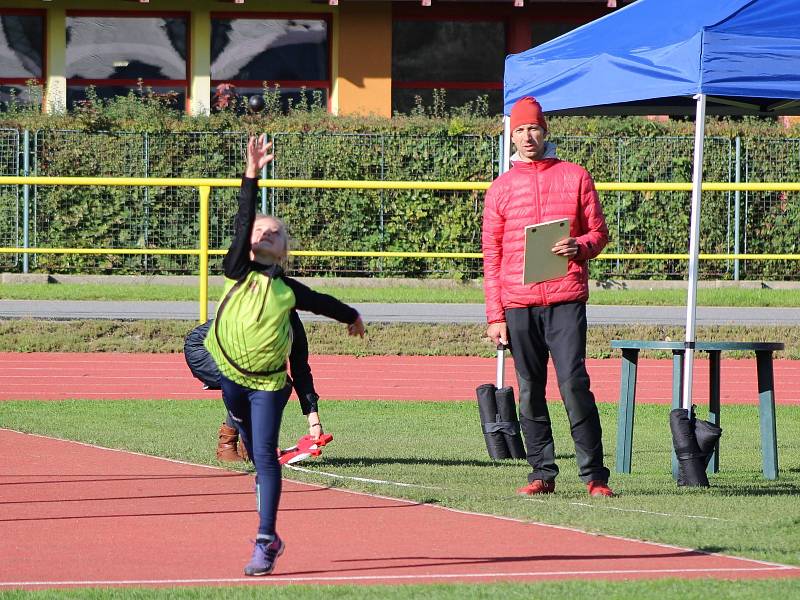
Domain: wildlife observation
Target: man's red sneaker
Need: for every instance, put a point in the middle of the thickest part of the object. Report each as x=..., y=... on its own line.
x=598, y=488
x=537, y=486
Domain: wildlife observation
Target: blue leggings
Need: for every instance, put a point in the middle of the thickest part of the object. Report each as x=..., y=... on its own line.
x=257, y=415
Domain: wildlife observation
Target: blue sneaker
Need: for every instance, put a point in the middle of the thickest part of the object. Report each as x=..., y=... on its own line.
x=265, y=553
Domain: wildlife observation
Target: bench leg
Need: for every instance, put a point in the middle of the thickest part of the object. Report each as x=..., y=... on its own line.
x=766, y=414
x=627, y=402
x=677, y=397
x=714, y=357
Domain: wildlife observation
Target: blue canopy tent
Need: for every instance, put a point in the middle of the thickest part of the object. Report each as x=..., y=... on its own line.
x=743, y=54
x=670, y=57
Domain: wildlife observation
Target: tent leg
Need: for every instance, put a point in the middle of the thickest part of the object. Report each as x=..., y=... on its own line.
x=694, y=252
x=505, y=156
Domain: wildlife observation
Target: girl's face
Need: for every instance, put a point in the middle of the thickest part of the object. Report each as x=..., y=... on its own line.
x=268, y=242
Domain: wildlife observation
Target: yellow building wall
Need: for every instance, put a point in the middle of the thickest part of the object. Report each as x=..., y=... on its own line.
x=364, y=43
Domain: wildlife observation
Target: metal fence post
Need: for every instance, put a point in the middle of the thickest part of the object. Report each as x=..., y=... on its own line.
x=736, y=198
x=273, y=192
x=205, y=192
x=382, y=224
x=26, y=200
x=263, y=189
x=620, y=150
x=146, y=232
x=500, y=146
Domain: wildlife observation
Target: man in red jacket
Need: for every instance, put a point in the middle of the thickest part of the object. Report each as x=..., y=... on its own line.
x=548, y=318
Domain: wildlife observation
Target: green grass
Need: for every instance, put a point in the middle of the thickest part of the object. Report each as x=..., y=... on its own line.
x=386, y=339
x=705, y=297
x=743, y=514
x=411, y=293
x=665, y=589
x=161, y=292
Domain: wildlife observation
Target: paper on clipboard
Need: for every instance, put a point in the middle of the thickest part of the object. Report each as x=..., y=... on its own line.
x=540, y=263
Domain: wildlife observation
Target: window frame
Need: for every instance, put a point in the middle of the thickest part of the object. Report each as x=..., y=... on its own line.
x=326, y=84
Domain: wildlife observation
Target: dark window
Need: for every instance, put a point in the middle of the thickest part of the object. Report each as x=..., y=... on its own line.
x=544, y=31
x=18, y=95
x=448, y=51
x=404, y=100
x=278, y=98
x=465, y=58
x=269, y=50
x=21, y=46
x=171, y=96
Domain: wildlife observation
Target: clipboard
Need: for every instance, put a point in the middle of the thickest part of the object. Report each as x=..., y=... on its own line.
x=540, y=263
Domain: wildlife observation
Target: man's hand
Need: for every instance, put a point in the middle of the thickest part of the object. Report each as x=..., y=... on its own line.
x=258, y=155
x=567, y=247
x=498, y=333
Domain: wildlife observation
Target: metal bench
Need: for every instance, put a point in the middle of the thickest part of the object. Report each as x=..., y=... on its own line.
x=766, y=395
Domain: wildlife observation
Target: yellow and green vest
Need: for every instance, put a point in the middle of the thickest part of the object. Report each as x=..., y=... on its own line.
x=251, y=337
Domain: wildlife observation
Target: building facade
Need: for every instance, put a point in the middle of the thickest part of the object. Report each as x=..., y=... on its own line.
x=352, y=56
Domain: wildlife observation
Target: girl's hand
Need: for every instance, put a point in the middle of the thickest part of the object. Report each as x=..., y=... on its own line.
x=258, y=155
x=314, y=425
x=315, y=430
x=357, y=328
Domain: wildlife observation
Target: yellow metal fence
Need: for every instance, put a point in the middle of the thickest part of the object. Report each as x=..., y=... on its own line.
x=204, y=189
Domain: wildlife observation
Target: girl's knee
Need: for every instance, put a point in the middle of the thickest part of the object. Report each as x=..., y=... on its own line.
x=266, y=458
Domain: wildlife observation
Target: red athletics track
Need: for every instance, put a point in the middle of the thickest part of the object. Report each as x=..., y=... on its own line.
x=75, y=515
x=107, y=376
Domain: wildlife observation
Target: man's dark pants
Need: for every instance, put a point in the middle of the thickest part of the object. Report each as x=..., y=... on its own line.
x=535, y=333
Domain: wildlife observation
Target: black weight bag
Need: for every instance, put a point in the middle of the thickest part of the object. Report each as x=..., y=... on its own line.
x=691, y=459
x=498, y=413
x=707, y=434
x=198, y=359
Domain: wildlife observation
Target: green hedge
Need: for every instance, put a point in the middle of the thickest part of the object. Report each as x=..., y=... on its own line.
x=139, y=136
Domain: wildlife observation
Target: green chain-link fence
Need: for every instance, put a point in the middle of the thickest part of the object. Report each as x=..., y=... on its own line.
x=11, y=209
x=383, y=220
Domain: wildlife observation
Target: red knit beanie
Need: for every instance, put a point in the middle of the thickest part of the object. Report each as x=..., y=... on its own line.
x=527, y=111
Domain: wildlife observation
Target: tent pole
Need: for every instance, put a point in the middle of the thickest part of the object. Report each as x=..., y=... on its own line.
x=505, y=162
x=694, y=250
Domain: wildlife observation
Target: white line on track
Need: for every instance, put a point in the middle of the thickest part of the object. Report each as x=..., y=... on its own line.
x=647, y=512
x=429, y=487
x=345, y=578
x=362, y=479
